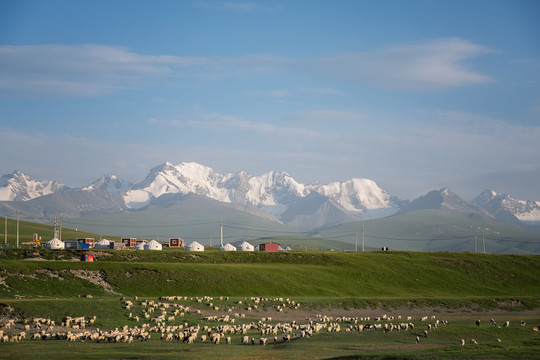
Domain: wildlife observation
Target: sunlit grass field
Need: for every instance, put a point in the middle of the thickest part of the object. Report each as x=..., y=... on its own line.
x=457, y=287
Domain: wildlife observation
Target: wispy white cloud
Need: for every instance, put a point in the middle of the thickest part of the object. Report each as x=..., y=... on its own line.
x=87, y=70
x=239, y=6
x=222, y=122
x=437, y=64
x=276, y=93
x=84, y=70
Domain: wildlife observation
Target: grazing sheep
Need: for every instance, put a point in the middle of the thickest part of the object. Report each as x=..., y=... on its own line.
x=477, y=322
x=425, y=333
x=474, y=342
x=522, y=323
x=462, y=342
x=506, y=323
x=245, y=339
x=417, y=339
x=498, y=340
x=228, y=340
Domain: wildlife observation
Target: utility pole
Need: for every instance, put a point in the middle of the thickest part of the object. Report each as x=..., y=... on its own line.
x=58, y=227
x=221, y=232
x=17, y=228
x=5, y=231
x=475, y=247
x=483, y=241
x=362, y=237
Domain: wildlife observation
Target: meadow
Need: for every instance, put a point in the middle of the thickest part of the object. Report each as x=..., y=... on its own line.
x=264, y=290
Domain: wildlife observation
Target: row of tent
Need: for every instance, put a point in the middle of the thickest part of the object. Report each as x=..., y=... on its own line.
x=56, y=244
x=245, y=246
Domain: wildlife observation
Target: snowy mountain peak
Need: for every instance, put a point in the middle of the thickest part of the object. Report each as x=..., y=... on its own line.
x=110, y=183
x=274, y=191
x=21, y=187
x=497, y=204
x=184, y=178
x=357, y=194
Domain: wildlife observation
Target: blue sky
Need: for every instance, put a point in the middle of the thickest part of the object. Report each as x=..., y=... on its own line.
x=415, y=95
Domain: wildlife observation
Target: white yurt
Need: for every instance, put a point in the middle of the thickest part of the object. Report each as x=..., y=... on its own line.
x=54, y=244
x=245, y=246
x=227, y=247
x=140, y=246
x=194, y=246
x=153, y=245
x=102, y=244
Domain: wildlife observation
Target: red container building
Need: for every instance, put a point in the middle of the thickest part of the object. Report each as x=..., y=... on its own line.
x=269, y=247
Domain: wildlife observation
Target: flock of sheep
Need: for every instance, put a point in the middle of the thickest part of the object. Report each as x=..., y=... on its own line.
x=165, y=319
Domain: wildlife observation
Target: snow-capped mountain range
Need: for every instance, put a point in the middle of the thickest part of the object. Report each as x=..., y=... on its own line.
x=276, y=193
x=273, y=192
x=20, y=187
x=110, y=183
x=502, y=206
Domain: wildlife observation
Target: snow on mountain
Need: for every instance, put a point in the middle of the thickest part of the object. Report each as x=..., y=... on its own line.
x=357, y=195
x=497, y=204
x=110, y=183
x=268, y=190
x=183, y=178
x=272, y=192
x=276, y=192
x=20, y=187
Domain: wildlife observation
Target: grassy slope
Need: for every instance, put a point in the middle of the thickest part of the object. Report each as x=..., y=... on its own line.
x=377, y=274
x=313, y=278
x=432, y=230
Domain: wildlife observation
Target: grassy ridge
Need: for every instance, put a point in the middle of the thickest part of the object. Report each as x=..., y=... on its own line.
x=375, y=274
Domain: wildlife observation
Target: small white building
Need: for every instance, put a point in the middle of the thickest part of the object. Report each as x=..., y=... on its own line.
x=54, y=244
x=102, y=244
x=245, y=246
x=227, y=247
x=140, y=246
x=194, y=246
x=153, y=245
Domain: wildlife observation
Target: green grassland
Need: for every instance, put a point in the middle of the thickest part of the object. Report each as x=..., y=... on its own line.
x=394, y=274
x=458, y=287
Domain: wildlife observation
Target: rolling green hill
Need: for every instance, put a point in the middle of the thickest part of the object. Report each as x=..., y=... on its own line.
x=405, y=275
x=436, y=230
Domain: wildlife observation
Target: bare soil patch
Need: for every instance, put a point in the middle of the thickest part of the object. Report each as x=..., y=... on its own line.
x=96, y=278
